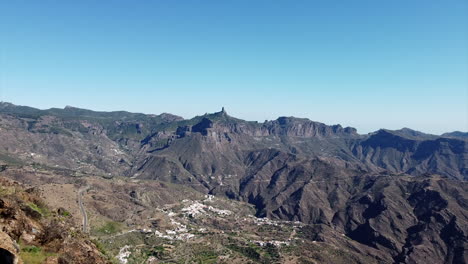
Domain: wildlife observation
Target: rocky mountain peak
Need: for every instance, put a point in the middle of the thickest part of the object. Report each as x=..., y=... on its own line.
x=203, y=126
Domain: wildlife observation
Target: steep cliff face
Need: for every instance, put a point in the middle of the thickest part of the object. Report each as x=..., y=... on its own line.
x=297, y=127
x=283, y=126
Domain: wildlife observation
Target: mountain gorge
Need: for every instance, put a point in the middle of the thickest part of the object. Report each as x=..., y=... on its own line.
x=400, y=196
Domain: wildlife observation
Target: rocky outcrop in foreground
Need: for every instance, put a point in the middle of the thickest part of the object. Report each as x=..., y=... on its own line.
x=32, y=232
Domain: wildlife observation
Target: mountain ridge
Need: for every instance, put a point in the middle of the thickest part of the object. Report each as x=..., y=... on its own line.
x=7, y=107
x=289, y=169
x=403, y=150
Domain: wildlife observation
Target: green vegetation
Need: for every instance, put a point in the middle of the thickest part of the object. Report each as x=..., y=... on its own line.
x=109, y=228
x=42, y=210
x=156, y=251
x=247, y=251
x=206, y=257
x=6, y=190
x=103, y=251
x=272, y=254
x=99, y=246
x=31, y=249
x=34, y=255
x=65, y=213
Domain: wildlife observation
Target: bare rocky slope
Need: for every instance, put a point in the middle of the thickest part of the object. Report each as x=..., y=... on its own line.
x=400, y=192
x=31, y=231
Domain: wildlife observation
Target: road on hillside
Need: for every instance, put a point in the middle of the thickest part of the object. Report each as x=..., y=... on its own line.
x=82, y=209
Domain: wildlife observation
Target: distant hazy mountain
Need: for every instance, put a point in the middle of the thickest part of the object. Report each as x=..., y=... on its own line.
x=408, y=132
x=456, y=134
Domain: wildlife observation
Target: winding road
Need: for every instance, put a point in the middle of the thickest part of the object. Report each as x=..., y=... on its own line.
x=82, y=209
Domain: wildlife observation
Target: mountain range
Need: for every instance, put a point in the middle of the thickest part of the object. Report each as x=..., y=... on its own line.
x=401, y=194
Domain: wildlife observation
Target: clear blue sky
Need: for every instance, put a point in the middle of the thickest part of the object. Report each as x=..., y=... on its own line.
x=368, y=64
